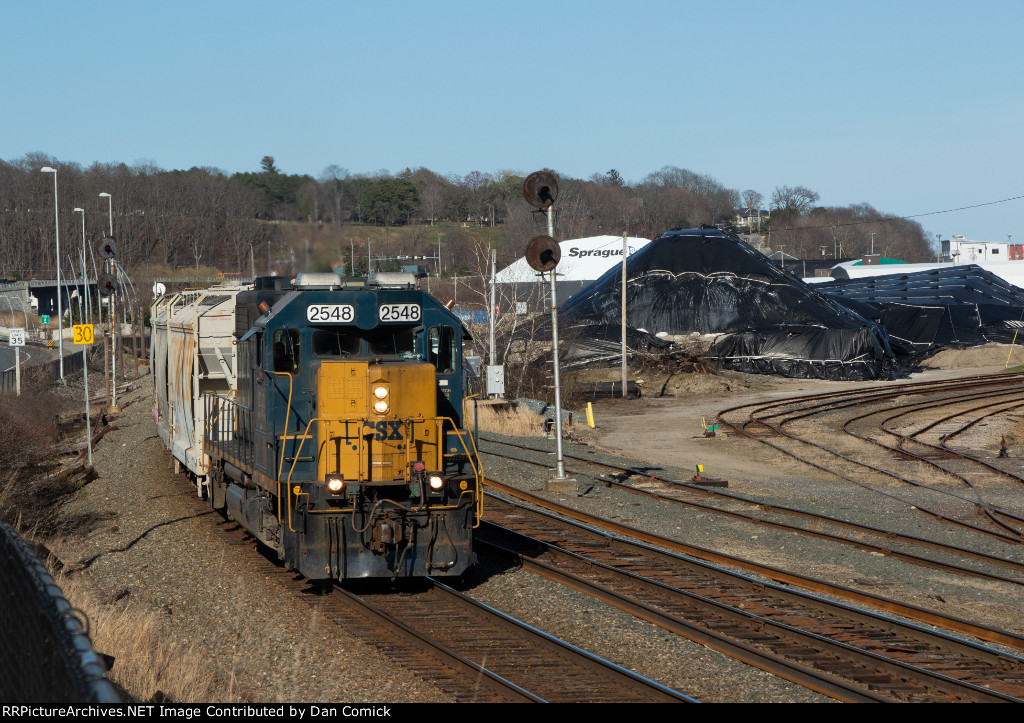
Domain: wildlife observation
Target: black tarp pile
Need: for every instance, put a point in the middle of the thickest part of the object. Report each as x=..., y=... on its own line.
x=706, y=281
x=924, y=311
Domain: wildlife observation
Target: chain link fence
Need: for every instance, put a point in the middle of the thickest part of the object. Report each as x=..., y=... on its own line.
x=45, y=652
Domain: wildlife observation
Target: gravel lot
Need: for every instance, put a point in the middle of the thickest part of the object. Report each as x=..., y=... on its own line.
x=137, y=543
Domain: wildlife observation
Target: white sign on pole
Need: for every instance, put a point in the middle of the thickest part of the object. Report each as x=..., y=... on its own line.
x=17, y=337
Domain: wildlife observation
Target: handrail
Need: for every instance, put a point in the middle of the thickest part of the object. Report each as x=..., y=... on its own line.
x=476, y=471
x=287, y=412
x=217, y=405
x=290, y=471
x=478, y=507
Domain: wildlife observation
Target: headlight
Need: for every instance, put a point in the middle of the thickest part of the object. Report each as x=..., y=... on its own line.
x=382, y=404
x=335, y=483
x=436, y=482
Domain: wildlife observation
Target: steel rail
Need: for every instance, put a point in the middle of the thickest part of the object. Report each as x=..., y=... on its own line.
x=896, y=390
x=480, y=675
x=779, y=428
x=944, y=439
x=993, y=512
x=462, y=678
x=790, y=670
x=449, y=669
x=622, y=589
x=565, y=670
x=928, y=617
x=889, y=551
x=741, y=429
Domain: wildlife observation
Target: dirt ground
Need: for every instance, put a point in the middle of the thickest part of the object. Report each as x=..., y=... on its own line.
x=668, y=432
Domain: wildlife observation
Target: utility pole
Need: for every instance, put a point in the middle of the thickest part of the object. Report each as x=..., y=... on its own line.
x=625, y=250
x=114, y=344
x=85, y=361
x=490, y=315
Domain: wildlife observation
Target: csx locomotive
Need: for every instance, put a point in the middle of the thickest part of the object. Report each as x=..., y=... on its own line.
x=325, y=416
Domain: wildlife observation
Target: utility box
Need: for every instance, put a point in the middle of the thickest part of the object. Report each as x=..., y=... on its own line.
x=495, y=379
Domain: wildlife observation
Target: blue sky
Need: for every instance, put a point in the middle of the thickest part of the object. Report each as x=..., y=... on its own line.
x=912, y=107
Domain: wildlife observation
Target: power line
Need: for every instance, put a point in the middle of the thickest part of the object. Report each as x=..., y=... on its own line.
x=901, y=218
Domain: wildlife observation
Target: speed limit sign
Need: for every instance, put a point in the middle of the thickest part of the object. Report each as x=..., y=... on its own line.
x=17, y=337
x=83, y=333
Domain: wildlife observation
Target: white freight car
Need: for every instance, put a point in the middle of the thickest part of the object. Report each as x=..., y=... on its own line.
x=193, y=352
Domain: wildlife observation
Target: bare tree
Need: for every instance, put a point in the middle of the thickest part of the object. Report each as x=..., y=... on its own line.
x=793, y=199
x=751, y=198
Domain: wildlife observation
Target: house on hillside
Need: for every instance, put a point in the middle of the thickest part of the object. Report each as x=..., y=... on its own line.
x=750, y=218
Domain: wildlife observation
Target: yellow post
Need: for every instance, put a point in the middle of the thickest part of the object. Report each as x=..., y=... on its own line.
x=590, y=415
x=1011, y=350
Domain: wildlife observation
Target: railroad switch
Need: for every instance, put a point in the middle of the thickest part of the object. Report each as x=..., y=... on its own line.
x=700, y=479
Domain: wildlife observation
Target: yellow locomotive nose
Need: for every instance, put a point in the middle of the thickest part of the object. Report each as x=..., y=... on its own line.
x=375, y=419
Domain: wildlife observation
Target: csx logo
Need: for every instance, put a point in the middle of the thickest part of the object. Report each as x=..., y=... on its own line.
x=385, y=430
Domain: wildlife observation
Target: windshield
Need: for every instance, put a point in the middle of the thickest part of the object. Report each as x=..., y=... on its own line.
x=351, y=341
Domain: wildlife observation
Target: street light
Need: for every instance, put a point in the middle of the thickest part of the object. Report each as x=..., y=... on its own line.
x=60, y=311
x=110, y=211
x=85, y=276
x=85, y=356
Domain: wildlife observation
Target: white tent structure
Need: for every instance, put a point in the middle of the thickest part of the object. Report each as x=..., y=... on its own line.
x=583, y=261
x=1012, y=272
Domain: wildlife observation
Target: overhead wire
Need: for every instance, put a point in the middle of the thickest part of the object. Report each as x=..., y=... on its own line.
x=901, y=218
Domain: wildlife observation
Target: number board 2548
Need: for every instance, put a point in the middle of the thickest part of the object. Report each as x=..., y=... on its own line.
x=330, y=313
x=399, y=313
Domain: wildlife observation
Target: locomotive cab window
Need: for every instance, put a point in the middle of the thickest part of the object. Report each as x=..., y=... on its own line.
x=442, y=347
x=384, y=341
x=392, y=341
x=285, y=350
x=335, y=342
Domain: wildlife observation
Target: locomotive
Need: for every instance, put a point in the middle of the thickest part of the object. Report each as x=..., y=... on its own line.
x=325, y=415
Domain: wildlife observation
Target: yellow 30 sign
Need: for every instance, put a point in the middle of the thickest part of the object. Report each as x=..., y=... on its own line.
x=83, y=333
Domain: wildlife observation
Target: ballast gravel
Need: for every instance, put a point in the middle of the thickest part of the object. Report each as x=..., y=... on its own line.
x=135, y=538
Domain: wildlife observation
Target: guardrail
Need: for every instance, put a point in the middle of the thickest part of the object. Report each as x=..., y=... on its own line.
x=45, y=372
x=45, y=652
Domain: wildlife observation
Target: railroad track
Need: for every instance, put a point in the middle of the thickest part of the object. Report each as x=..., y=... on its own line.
x=956, y=559
x=550, y=669
x=794, y=426
x=465, y=648
x=909, y=668
x=845, y=652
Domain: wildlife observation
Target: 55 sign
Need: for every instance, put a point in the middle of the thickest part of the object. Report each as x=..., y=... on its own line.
x=83, y=333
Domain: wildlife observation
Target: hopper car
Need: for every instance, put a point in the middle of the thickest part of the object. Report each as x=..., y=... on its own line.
x=325, y=415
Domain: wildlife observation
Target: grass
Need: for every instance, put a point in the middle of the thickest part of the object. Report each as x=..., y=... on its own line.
x=30, y=500
x=145, y=660
x=520, y=422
